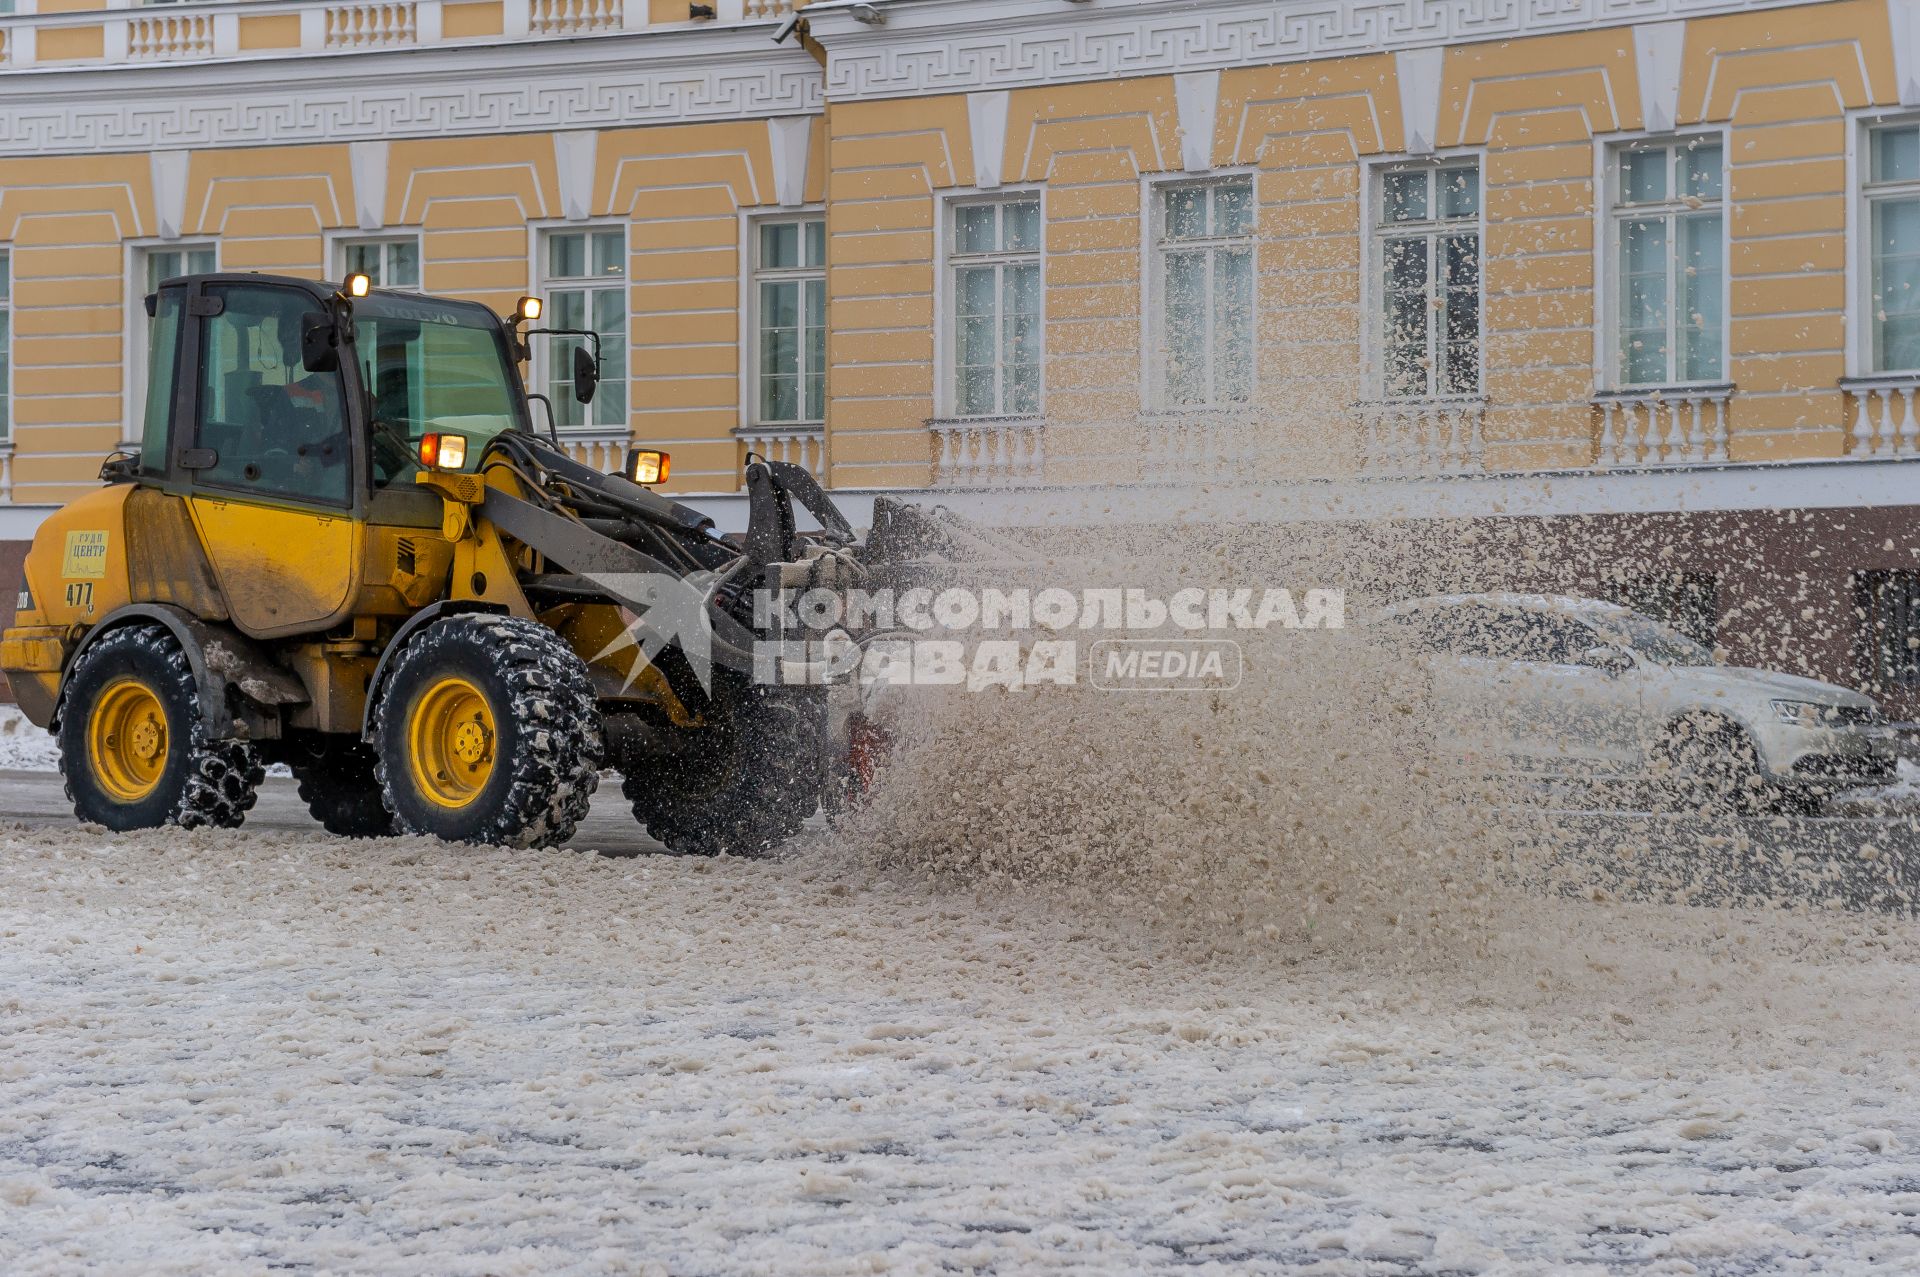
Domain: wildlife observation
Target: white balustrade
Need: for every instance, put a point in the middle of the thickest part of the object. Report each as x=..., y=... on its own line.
x=803, y=446
x=1183, y=446
x=1664, y=427
x=378, y=25
x=768, y=8
x=1438, y=437
x=605, y=451
x=1882, y=421
x=983, y=453
x=575, y=17
x=162, y=37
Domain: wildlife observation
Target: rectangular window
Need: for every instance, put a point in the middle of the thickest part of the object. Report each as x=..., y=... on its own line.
x=790, y=321
x=1669, y=247
x=584, y=281
x=6, y=346
x=161, y=264
x=1893, y=228
x=1204, y=274
x=1427, y=254
x=388, y=263
x=1888, y=604
x=993, y=287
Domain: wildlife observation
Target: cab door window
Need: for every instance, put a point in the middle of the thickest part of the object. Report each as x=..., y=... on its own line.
x=274, y=428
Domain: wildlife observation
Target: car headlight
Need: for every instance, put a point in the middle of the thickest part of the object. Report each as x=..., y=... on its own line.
x=1805, y=713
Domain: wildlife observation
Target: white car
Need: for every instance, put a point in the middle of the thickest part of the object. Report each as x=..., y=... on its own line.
x=1560, y=686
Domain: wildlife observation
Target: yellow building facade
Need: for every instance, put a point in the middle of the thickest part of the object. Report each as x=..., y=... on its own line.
x=1579, y=259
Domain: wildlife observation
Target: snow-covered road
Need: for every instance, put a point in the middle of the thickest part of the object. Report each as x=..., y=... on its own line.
x=230, y=1051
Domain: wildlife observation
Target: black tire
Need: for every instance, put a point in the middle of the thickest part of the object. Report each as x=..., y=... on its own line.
x=200, y=781
x=339, y=781
x=747, y=783
x=543, y=753
x=1710, y=765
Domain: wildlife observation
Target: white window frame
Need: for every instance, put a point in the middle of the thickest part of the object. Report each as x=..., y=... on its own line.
x=1859, y=236
x=945, y=370
x=1373, y=290
x=1153, y=287
x=750, y=277
x=339, y=242
x=134, y=334
x=542, y=286
x=7, y=422
x=1606, y=176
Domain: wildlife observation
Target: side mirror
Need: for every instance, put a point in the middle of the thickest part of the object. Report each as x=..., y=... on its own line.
x=586, y=374
x=1610, y=661
x=319, y=342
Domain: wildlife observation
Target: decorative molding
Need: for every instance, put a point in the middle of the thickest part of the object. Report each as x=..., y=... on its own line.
x=791, y=140
x=169, y=191
x=611, y=81
x=956, y=46
x=1419, y=73
x=1657, y=47
x=1196, y=96
x=573, y=163
x=368, y=160
x=987, y=127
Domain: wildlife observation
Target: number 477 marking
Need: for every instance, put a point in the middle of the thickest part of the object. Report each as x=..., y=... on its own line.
x=80, y=595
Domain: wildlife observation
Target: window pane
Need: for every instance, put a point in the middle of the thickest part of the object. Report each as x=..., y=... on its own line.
x=364, y=259
x=1408, y=310
x=1896, y=284
x=1022, y=390
x=977, y=341
x=1233, y=208
x=1699, y=298
x=199, y=261
x=1023, y=289
x=1233, y=325
x=165, y=333
x=610, y=321
x=975, y=291
x=779, y=398
x=1643, y=176
x=1462, y=255
x=6, y=277
x=1186, y=212
x=816, y=243
x=974, y=392
x=569, y=308
x=567, y=255
x=1462, y=372
x=405, y=260
x=1405, y=195
x=274, y=427
x=1896, y=154
x=1185, y=327
x=608, y=248
x=779, y=245
x=1700, y=170
x=780, y=304
x=1021, y=226
x=1643, y=301
x=1459, y=191
x=973, y=228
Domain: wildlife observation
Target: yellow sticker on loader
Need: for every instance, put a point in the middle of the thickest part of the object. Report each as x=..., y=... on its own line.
x=86, y=555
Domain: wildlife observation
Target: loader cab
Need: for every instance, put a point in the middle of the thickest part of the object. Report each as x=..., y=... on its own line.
x=287, y=417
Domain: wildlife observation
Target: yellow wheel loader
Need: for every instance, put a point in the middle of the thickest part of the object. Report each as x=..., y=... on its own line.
x=346, y=544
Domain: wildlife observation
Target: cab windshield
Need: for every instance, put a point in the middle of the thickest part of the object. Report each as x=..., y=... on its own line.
x=431, y=366
x=1656, y=642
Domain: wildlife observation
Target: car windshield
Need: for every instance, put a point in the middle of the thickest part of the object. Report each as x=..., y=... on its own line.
x=1654, y=641
x=431, y=366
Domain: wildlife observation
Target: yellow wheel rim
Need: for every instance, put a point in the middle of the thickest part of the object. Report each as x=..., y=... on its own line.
x=127, y=740
x=450, y=739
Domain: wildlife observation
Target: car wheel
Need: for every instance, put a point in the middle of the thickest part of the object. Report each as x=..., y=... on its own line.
x=1708, y=764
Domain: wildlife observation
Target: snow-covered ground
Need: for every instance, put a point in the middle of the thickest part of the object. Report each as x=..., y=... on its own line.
x=24, y=747
x=231, y=1051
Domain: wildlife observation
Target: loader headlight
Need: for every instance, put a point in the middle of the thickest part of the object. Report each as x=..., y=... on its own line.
x=648, y=465
x=1802, y=713
x=443, y=452
x=528, y=308
x=358, y=285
